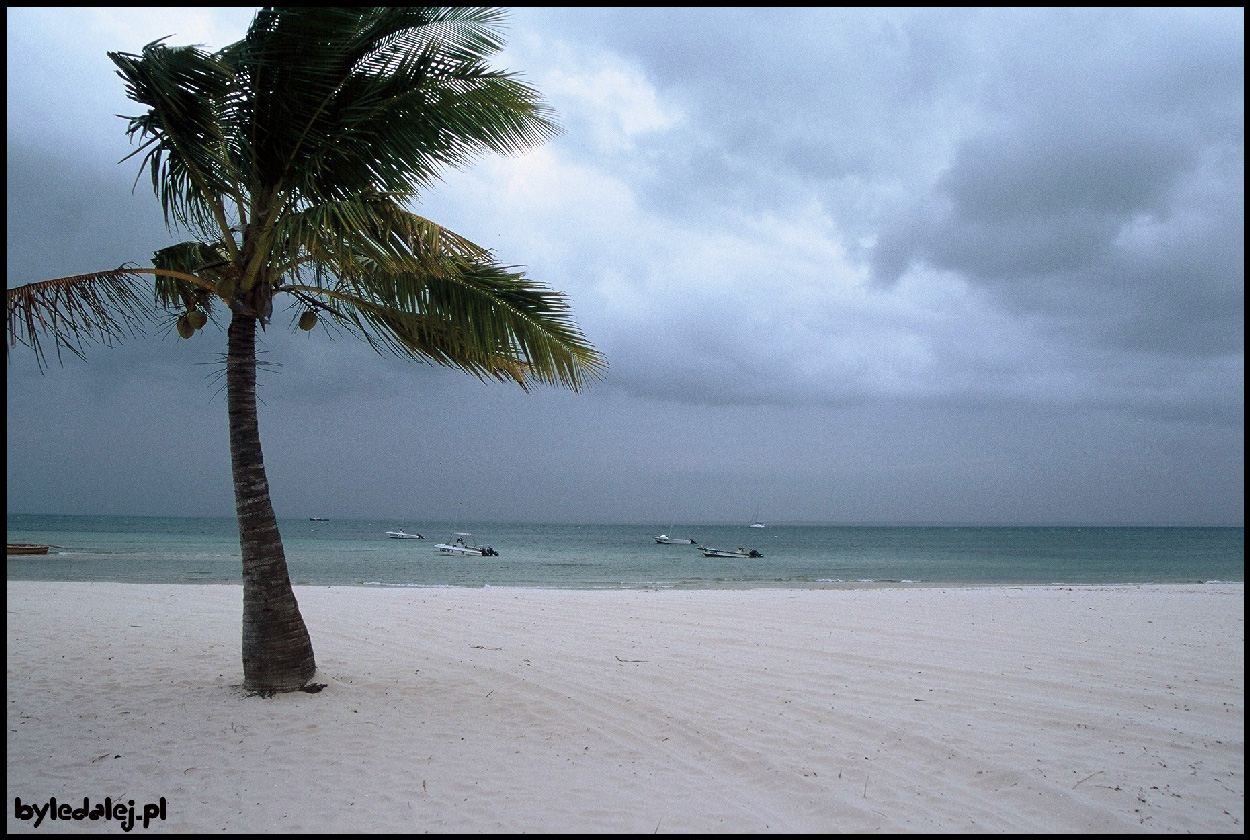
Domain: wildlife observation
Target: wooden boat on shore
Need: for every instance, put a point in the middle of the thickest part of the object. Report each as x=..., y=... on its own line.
x=27, y=548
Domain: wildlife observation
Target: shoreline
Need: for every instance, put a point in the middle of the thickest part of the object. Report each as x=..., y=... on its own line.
x=895, y=708
x=728, y=586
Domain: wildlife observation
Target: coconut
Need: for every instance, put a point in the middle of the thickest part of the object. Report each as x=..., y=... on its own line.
x=184, y=327
x=308, y=320
x=196, y=319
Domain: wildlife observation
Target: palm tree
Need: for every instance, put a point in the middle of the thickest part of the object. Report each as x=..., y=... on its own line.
x=291, y=157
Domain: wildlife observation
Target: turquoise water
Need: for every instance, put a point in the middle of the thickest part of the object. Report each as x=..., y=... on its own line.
x=357, y=552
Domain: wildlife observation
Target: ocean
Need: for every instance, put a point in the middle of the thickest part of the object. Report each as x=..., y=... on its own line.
x=358, y=553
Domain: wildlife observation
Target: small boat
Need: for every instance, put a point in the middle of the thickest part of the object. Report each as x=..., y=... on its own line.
x=665, y=539
x=721, y=552
x=458, y=547
x=317, y=519
x=758, y=524
x=27, y=548
x=401, y=534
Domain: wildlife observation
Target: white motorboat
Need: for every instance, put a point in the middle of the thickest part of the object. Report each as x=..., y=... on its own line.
x=401, y=534
x=458, y=547
x=737, y=553
x=665, y=539
x=758, y=524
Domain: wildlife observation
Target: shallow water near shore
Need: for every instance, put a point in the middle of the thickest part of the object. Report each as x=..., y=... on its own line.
x=564, y=556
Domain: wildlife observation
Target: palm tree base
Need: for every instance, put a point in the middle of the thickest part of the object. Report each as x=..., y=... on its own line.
x=277, y=659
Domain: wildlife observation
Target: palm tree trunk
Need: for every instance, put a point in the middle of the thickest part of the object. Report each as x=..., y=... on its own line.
x=277, y=651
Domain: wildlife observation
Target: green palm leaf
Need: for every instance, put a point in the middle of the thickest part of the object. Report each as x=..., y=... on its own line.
x=185, y=144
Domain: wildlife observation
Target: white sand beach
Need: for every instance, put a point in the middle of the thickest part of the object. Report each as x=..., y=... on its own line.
x=995, y=709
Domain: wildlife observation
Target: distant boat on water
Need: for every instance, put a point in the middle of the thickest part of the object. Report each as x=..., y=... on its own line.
x=27, y=548
x=758, y=524
x=317, y=519
x=401, y=534
x=665, y=539
x=722, y=552
x=461, y=548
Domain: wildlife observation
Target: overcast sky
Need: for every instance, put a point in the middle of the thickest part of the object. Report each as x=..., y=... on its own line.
x=850, y=266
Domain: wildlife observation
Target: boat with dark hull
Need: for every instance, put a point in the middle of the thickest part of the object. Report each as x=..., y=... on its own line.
x=27, y=548
x=738, y=553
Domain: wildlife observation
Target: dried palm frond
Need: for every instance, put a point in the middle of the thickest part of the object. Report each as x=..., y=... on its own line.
x=102, y=307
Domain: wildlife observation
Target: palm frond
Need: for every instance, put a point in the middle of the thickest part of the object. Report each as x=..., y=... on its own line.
x=370, y=229
x=102, y=307
x=204, y=261
x=386, y=99
x=186, y=146
x=486, y=319
x=414, y=288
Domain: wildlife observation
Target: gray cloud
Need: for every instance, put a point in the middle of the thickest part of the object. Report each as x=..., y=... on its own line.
x=867, y=265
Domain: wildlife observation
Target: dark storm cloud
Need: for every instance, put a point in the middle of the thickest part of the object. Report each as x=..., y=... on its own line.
x=65, y=217
x=1025, y=150
x=868, y=265
x=1107, y=190
x=785, y=105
